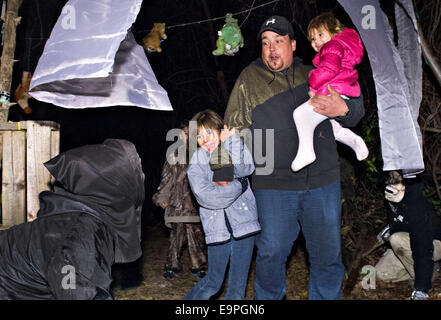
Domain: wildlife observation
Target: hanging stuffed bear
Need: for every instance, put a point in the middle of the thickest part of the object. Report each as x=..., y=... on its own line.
x=230, y=39
x=152, y=42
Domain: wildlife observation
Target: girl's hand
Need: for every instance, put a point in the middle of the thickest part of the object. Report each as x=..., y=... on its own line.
x=226, y=133
x=164, y=205
x=311, y=94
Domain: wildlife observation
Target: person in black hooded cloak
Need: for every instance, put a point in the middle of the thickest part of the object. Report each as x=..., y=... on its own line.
x=90, y=221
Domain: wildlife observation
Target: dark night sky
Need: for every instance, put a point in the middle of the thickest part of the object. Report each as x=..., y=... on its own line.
x=186, y=69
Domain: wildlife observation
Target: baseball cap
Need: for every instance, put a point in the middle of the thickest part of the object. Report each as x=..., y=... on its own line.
x=278, y=24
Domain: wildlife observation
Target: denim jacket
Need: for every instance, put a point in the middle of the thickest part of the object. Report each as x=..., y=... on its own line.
x=224, y=208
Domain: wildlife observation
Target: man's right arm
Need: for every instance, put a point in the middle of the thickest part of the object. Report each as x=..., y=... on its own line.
x=237, y=115
x=347, y=112
x=238, y=112
x=355, y=113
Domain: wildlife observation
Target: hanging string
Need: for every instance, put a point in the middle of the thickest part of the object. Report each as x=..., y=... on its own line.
x=218, y=18
x=249, y=12
x=203, y=21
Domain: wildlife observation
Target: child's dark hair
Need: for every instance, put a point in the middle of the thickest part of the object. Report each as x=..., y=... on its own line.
x=208, y=119
x=327, y=21
x=184, y=127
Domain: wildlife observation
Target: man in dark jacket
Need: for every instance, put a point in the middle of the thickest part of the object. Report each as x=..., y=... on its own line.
x=90, y=221
x=263, y=100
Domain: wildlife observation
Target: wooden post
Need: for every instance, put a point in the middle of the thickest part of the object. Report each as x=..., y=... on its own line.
x=13, y=180
x=14, y=191
x=38, y=151
x=27, y=145
x=55, y=146
x=7, y=59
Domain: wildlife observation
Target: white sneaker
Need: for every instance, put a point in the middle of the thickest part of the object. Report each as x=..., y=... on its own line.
x=419, y=295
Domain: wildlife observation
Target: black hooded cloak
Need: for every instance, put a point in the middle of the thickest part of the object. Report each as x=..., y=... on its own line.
x=90, y=221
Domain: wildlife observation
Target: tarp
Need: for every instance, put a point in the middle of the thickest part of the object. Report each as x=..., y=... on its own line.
x=397, y=74
x=91, y=59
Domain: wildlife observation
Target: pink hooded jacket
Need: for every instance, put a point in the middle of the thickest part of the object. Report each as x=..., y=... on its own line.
x=335, y=64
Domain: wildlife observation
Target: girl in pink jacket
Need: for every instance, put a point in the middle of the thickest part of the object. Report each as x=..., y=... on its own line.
x=339, y=50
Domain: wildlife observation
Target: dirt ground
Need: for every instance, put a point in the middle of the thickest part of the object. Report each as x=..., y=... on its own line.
x=154, y=287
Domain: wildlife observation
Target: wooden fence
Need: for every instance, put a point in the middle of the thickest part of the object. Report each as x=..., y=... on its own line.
x=26, y=146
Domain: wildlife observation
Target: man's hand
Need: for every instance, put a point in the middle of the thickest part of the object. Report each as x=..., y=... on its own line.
x=330, y=106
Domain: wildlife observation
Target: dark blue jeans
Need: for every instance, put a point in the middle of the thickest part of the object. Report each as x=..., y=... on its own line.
x=239, y=253
x=281, y=214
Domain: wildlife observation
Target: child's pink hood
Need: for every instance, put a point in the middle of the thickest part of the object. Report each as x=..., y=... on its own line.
x=335, y=64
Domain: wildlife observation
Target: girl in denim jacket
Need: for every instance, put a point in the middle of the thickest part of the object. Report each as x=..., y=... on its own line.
x=227, y=209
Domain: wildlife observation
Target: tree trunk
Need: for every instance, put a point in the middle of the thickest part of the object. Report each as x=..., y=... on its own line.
x=432, y=61
x=7, y=59
x=430, y=57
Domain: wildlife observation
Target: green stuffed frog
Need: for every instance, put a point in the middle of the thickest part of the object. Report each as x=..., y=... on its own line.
x=230, y=39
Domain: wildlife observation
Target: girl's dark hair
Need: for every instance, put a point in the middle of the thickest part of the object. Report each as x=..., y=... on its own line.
x=184, y=127
x=327, y=21
x=208, y=119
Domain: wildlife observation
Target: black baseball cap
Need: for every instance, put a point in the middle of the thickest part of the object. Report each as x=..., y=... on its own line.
x=278, y=24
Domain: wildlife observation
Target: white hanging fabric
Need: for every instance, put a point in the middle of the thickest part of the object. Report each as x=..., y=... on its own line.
x=91, y=60
x=398, y=81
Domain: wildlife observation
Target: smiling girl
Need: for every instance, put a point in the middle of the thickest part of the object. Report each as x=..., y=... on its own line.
x=338, y=50
x=227, y=210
